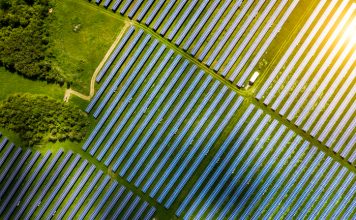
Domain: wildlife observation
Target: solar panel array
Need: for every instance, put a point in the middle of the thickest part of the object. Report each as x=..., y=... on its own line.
x=314, y=83
x=186, y=140
x=156, y=131
x=264, y=170
x=191, y=143
x=61, y=185
x=229, y=37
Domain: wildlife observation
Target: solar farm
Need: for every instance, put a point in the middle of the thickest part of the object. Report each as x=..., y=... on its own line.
x=233, y=109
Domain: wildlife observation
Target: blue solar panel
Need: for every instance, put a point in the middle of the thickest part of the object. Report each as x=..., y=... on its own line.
x=73, y=196
x=153, y=12
x=188, y=26
x=68, y=185
x=27, y=185
x=131, y=208
x=219, y=32
x=188, y=142
x=16, y=184
x=214, y=160
x=104, y=199
x=342, y=204
x=156, y=122
x=31, y=195
x=106, y=4
x=135, y=8
x=128, y=66
x=14, y=172
x=163, y=14
x=122, y=205
x=202, y=22
x=213, y=23
x=177, y=124
x=182, y=19
x=201, y=155
x=123, y=90
x=191, y=153
x=90, y=188
x=241, y=172
x=283, y=178
x=144, y=10
x=140, y=211
x=134, y=106
x=172, y=17
x=131, y=110
x=308, y=188
x=300, y=184
x=339, y=184
x=116, y=5
x=320, y=187
x=11, y=161
x=49, y=184
x=125, y=6
x=113, y=72
x=94, y=197
x=143, y=109
x=58, y=186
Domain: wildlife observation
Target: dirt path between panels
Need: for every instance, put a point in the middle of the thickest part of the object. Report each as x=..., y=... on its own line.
x=70, y=91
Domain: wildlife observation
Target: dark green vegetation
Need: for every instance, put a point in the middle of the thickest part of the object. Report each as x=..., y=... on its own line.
x=24, y=39
x=39, y=119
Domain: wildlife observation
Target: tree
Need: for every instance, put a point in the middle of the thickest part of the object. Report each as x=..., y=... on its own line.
x=5, y=4
x=40, y=119
x=24, y=39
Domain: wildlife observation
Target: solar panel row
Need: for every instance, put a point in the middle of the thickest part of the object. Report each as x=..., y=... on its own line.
x=39, y=184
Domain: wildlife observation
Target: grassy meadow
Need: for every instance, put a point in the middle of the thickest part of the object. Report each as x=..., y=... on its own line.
x=81, y=36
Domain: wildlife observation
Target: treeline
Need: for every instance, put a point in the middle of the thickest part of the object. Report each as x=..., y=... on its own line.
x=24, y=39
x=39, y=119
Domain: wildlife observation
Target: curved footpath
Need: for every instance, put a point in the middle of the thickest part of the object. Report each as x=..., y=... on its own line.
x=70, y=91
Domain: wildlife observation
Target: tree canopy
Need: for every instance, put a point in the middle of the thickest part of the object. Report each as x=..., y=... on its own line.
x=39, y=119
x=24, y=39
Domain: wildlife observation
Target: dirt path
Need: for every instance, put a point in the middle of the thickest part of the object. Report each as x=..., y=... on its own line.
x=70, y=91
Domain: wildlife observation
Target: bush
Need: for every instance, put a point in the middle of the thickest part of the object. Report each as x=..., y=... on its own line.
x=41, y=119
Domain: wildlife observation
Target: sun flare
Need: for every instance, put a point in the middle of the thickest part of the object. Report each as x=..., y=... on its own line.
x=350, y=30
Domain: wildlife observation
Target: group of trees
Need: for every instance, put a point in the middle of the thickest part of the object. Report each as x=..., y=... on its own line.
x=24, y=39
x=39, y=119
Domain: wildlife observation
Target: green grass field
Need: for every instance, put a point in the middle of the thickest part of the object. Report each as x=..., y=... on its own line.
x=81, y=36
x=11, y=83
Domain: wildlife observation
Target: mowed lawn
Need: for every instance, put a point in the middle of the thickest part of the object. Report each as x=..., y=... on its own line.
x=81, y=35
x=11, y=83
